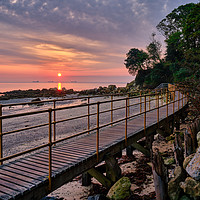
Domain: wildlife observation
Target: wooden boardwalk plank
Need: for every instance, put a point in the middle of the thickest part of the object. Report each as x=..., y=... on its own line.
x=29, y=170
x=23, y=174
x=15, y=175
x=16, y=180
x=7, y=193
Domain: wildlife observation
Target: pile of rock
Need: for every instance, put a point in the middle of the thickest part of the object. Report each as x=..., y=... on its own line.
x=185, y=184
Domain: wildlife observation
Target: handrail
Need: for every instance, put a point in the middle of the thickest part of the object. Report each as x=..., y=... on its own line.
x=143, y=110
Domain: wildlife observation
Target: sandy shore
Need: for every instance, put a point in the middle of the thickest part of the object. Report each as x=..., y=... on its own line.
x=21, y=141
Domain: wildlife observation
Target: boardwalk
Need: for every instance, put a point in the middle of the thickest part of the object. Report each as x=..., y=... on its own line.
x=35, y=175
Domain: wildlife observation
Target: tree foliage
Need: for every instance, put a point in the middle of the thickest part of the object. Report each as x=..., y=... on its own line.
x=136, y=60
x=181, y=64
x=175, y=21
x=154, y=50
x=140, y=63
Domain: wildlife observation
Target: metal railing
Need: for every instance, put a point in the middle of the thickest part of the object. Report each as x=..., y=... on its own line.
x=144, y=106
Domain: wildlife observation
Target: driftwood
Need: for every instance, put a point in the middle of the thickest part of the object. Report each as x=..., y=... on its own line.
x=178, y=150
x=187, y=144
x=160, y=176
x=149, y=141
x=177, y=124
x=193, y=130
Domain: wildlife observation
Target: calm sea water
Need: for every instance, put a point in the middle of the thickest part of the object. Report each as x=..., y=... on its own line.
x=76, y=86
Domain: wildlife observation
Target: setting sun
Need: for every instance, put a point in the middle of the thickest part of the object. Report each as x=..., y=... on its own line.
x=59, y=86
x=59, y=74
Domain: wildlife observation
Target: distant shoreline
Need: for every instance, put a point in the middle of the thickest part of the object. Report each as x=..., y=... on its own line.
x=54, y=92
x=76, y=86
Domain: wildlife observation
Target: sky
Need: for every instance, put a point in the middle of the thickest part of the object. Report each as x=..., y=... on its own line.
x=85, y=40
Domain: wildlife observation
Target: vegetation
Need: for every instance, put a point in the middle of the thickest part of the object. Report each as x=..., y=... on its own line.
x=181, y=63
x=181, y=29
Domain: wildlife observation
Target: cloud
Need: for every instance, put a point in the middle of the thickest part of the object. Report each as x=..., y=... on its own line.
x=75, y=34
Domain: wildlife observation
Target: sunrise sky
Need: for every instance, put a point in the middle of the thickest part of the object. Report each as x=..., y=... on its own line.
x=85, y=40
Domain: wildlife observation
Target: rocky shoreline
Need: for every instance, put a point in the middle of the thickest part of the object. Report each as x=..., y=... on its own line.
x=54, y=92
x=183, y=179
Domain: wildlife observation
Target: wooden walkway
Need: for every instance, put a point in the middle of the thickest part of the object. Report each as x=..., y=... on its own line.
x=27, y=178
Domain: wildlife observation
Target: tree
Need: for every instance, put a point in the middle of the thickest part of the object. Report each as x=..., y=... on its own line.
x=175, y=21
x=142, y=64
x=181, y=29
x=160, y=73
x=141, y=76
x=136, y=60
x=191, y=30
x=154, y=50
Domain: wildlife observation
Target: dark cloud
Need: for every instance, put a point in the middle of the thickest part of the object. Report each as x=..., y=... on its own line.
x=94, y=19
x=103, y=29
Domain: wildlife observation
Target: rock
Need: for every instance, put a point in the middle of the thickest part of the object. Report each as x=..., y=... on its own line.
x=191, y=187
x=37, y=99
x=187, y=160
x=198, y=138
x=51, y=198
x=184, y=198
x=169, y=161
x=171, y=137
x=120, y=190
x=98, y=197
x=193, y=168
x=173, y=185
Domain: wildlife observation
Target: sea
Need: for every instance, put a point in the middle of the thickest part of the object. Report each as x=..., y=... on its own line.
x=77, y=86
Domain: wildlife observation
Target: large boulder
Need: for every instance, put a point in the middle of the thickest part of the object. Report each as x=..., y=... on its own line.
x=191, y=186
x=187, y=160
x=120, y=190
x=184, y=197
x=193, y=168
x=173, y=185
x=198, y=138
x=98, y=197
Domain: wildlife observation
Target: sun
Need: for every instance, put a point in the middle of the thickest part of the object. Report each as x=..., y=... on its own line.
x=59, y=74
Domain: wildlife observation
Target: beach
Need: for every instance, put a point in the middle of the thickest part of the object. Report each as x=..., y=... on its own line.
x=23, y=140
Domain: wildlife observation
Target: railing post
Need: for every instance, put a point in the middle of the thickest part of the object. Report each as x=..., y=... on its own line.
x=50, y=148
x=173, y=101
x=140, y=101
x=178, y=99
x=1, y=136
x=128, y=104
x=145, y=101
x=54, y=120
x=126, y=121
x=156, y=93
x=149, y=100
x=158, y=109
x=97, y=136
x=182, y=99
x=88, y=101
x=161, y=94
x=169, y=96
x=167, y=104
x=111, y=109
